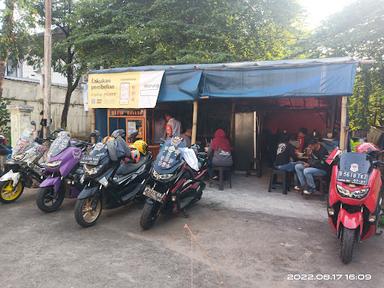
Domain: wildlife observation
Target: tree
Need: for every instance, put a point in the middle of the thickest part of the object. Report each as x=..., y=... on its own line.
x=65, y=58
x=7, y=38
x=358, y=31
x=13, y=39
x=125, y=33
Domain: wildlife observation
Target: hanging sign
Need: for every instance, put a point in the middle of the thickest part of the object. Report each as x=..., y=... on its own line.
x=124, y=90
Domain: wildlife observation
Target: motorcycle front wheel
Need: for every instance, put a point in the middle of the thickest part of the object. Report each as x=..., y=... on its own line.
x=48, y=201
x=8, y=193
x=87, y=211
x=348, y=240
x=149, y=215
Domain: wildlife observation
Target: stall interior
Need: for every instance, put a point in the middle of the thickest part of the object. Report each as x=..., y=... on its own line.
x=253, y=125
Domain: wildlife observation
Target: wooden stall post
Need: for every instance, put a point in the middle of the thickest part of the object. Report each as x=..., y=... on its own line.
x=343, y=123
x=194, y=121
x=233, y=122
x=92, y=112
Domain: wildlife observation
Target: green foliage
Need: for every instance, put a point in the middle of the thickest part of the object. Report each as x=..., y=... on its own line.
x=358, y=31
x=14, y=34
x=114, y=33
x=65, y=57
x=4, y=119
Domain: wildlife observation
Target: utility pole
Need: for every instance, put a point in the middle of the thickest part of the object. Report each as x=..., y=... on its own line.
x=47, y=67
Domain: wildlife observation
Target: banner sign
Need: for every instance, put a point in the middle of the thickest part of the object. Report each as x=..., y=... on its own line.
x=124, y=90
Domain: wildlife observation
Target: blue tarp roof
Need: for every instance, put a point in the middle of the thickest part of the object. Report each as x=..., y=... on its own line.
x=283, y=78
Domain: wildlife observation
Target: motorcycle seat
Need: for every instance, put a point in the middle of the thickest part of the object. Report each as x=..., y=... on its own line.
x=128, y=168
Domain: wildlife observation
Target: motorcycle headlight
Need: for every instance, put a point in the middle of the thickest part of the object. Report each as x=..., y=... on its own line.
x=18, y=157
x=91, y=170
x=103, y=181
x=10, y=162
x=53, y=164
x=357, y=194
x=161, y=176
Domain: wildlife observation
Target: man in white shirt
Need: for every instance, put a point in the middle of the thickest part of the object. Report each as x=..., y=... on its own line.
x=175, y=124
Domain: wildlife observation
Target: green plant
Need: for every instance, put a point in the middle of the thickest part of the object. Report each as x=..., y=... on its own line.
x=4, y=119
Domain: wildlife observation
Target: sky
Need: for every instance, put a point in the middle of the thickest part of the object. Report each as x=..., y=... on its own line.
x=318, y=10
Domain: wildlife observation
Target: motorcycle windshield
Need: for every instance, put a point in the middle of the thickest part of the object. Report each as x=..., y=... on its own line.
x=26, y=140
x=59, y=144
x=354, y=168
x=169, y=157
x=34, y=152
x=96, y=156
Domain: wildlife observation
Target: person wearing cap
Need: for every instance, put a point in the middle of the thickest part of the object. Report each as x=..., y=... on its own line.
x=316, y=166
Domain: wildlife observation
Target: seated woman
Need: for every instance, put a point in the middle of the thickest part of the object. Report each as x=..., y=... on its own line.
x=285, y=154
x=219, y=152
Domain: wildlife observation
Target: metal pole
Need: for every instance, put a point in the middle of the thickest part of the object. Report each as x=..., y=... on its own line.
x=343, y=123
x=194, y=122
x=47, y=67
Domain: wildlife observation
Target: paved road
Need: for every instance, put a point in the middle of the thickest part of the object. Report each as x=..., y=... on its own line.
x=232, y=248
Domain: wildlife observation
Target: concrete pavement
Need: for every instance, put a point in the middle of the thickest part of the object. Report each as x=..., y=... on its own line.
x=244, y=237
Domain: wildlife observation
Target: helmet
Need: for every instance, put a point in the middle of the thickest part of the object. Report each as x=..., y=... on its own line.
x=135, y=155
x=366, y=148
x=141, y=146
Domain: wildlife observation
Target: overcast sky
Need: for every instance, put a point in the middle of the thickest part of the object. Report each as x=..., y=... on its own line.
x=318, y=10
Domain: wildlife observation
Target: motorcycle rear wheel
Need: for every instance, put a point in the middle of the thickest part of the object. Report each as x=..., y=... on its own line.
x=149, y=215
x=8, y=193
x=348, y=239
x=87, y=212
x=47, y=202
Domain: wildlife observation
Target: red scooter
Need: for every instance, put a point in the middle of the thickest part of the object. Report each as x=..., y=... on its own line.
x=355, y=196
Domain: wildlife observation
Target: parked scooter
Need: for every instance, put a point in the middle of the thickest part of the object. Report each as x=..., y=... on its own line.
x=176, y=181
x=25, y=165
x=355, y=196
x=108, y=183
x=63, y=172
x=4, y=152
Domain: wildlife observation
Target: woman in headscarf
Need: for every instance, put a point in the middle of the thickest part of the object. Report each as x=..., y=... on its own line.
x=219, y=152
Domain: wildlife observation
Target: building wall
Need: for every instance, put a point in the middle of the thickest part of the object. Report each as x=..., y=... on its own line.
x=29, y=92
x=24, y=71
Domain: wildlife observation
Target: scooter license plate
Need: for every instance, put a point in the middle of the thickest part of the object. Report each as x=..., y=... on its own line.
x=153, y=194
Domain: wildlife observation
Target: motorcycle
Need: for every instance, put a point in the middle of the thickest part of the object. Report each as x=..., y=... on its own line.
x=109, y=184
x=25, y=165
x=4, y=152
x=62, y=171
x=176, y=181
x=355, y=196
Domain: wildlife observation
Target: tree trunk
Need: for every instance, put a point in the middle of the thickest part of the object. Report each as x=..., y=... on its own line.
x=70, y=88
x=64, y=114
x=2, y=74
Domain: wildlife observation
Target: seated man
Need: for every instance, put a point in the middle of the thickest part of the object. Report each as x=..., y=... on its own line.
x=316, y=166
x=284, y=154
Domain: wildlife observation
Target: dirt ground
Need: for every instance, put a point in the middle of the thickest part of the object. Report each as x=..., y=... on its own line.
x=239, y=243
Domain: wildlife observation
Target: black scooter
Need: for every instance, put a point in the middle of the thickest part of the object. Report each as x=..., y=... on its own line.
x=108, y=183
x=173, y=185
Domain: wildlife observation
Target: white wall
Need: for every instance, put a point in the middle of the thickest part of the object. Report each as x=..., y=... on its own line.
x=29, y=92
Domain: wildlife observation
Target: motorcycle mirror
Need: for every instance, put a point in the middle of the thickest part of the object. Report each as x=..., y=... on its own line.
x=33, y=123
